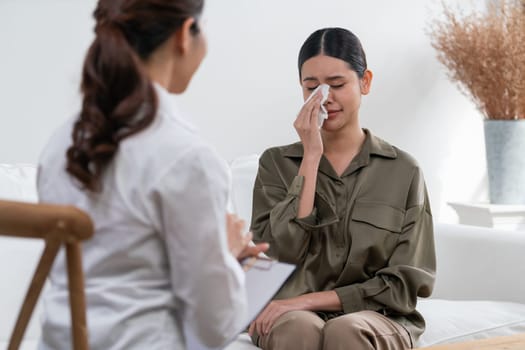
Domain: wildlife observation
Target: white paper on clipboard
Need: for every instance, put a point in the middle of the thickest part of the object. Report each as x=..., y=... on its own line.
x=264, y=278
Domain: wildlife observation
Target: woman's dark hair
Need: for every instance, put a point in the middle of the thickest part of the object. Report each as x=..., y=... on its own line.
x=335, y=42
x=118, y=98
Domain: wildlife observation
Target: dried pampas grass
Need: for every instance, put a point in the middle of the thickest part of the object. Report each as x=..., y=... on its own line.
x=485, y=54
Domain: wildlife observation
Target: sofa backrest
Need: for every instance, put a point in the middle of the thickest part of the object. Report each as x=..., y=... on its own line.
x=478, y=263
x=243, y=172
x=18, y=182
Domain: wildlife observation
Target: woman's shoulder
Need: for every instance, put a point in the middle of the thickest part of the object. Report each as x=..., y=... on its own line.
x=292, y=150
x=406, y=158
x=387, y=150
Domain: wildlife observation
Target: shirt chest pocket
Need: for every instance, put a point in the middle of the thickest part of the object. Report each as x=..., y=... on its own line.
x=374, y=230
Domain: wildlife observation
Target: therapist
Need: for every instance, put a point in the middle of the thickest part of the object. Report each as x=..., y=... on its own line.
x=156, y=191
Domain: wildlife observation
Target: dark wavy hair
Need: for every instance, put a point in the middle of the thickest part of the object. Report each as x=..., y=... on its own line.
x=335, y=42
x=118, y=98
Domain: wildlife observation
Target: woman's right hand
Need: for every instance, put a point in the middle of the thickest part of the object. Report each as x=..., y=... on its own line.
x=239, y=243
x=306, y=126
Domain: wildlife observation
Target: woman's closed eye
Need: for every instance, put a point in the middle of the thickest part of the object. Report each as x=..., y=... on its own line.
x=337, y=86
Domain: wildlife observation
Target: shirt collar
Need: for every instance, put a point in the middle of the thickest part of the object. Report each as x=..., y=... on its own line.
x=372, y=145
x=168, y=107
x=380, y=147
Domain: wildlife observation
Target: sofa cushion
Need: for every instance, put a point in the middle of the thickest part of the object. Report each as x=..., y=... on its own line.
x=243, y=342
x=447, y=322
x=451, y=321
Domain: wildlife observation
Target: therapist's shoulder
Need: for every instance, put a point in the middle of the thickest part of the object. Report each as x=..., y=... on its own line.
x=168, y=137
x=54, y=151
x=170, y=147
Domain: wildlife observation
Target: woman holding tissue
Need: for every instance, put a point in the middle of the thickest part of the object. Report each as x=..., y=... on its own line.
x=164, y=254
x=350, y=210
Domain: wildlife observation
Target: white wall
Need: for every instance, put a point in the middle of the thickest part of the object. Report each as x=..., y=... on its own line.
x=246, y=94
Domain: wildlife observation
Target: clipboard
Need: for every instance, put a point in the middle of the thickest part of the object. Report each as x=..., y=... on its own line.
x=263, y=279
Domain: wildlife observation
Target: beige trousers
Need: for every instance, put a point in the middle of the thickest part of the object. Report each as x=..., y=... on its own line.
x=364, y=330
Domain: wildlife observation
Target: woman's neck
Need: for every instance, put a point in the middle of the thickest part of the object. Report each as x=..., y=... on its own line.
x=346, y=141
x=159, y=66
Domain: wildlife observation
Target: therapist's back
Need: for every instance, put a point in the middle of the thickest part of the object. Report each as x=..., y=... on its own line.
x=155, y=190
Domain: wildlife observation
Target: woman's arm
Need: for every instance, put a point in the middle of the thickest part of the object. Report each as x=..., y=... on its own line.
x=310, y=135
x=410, y=271
x=275, y=209
x=308, y=170
x=285, y=215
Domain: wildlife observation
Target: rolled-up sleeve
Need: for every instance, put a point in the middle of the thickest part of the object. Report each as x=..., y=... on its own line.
x=274, y=214
x=410, y=272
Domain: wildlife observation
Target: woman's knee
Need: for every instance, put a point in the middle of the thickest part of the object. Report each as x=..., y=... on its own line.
x=364, y=330
x=347, y=325
x=296, y=330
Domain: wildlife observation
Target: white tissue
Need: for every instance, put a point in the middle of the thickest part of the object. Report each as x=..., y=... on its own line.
x=323, y=114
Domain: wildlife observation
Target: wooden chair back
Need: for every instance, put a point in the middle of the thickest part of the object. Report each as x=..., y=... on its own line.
x=57, y=225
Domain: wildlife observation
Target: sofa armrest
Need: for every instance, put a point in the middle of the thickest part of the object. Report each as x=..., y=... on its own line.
x=475, y=263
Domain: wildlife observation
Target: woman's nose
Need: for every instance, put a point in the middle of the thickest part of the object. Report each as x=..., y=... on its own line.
x=329, y=97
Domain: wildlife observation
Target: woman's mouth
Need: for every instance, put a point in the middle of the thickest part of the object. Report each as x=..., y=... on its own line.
x=332, y=112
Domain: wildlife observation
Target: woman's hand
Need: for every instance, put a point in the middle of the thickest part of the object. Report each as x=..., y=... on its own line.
x=306, y=126
x=239, y=243
x=266, y=319
x=317, y=301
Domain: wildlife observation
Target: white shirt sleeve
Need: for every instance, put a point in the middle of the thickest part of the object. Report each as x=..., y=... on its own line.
x=207, y=281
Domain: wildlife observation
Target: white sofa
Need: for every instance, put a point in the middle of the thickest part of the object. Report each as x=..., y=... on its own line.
x=479, y=292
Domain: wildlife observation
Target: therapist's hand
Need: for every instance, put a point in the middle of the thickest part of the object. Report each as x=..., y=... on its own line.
x=239, y=242
x=306, y=126
x=253, y=249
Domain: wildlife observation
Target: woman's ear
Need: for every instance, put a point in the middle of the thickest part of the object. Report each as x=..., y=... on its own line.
x=366, y=82
x=183, y=36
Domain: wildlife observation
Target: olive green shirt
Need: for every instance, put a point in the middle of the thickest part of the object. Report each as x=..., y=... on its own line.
x=369, y=237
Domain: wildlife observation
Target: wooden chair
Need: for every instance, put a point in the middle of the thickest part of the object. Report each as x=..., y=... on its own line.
x=56, y=225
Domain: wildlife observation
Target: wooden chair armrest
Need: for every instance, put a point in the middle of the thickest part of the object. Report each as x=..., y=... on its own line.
x=44, y=221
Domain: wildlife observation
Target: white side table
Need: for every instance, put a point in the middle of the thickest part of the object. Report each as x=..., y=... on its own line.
x=506, y=217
